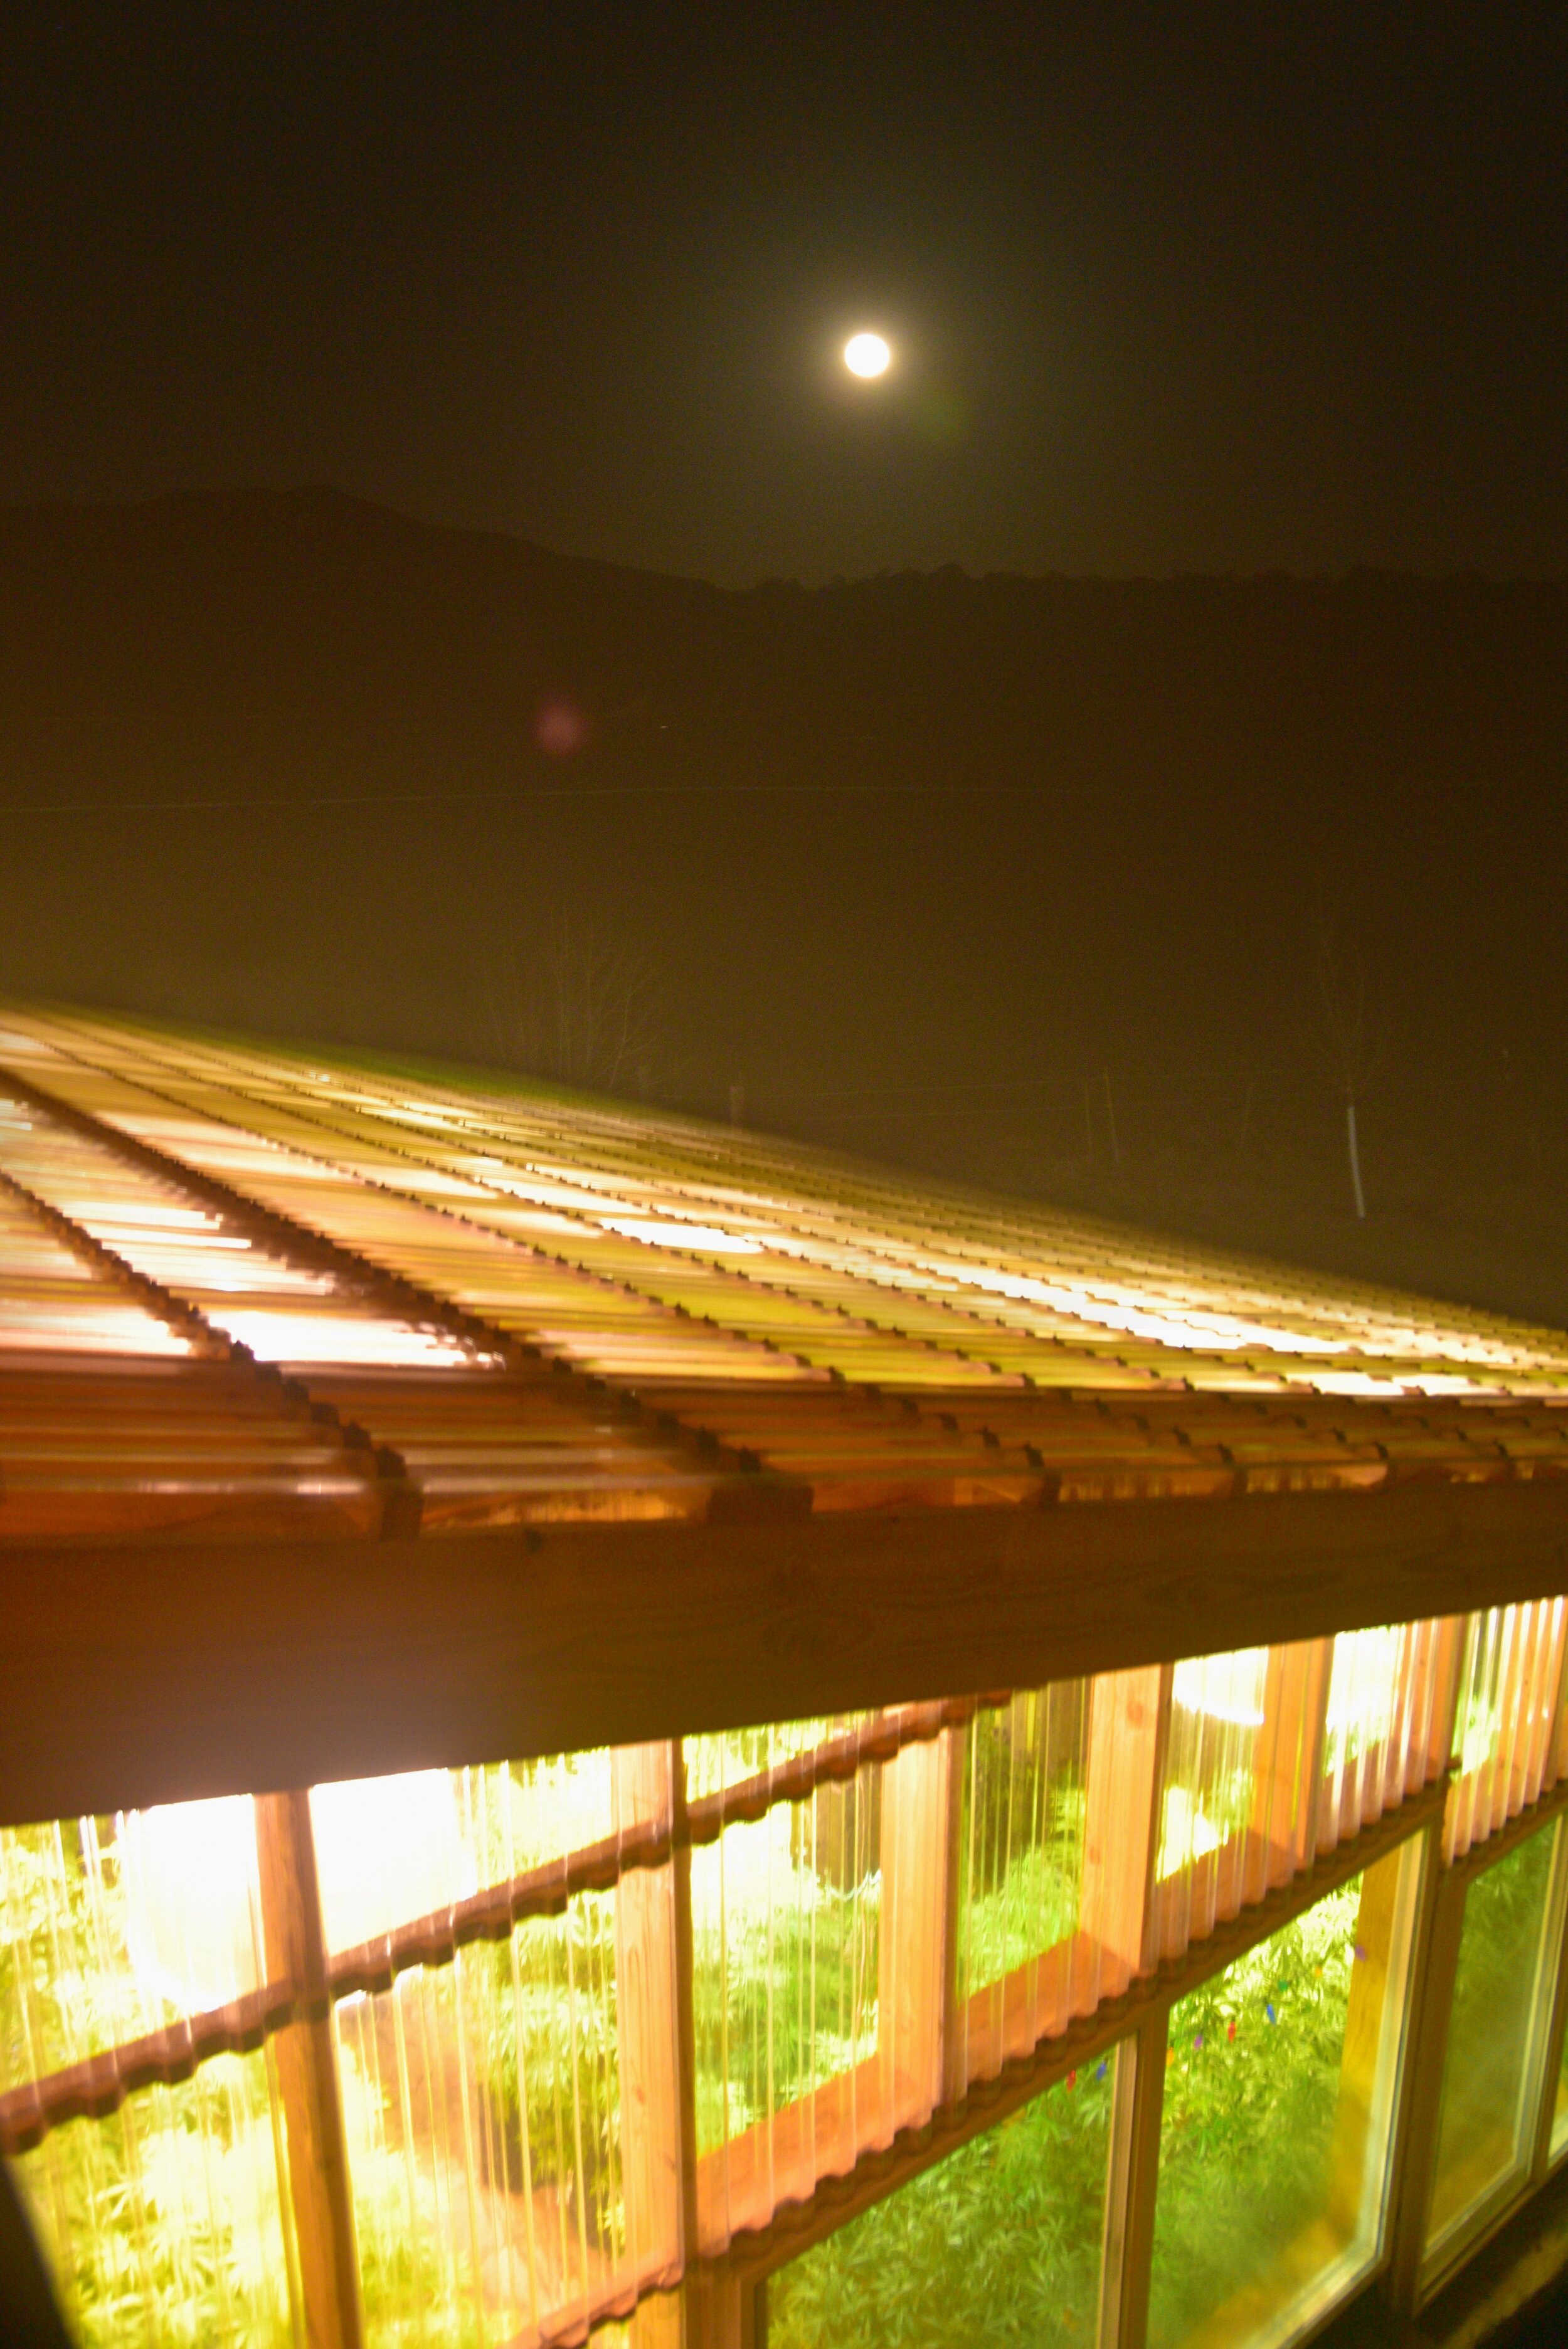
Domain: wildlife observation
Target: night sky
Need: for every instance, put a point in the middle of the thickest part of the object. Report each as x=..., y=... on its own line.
x=1171, y=289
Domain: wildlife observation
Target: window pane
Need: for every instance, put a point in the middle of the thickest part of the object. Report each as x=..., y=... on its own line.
x=998, y=2243
x=388, y=1850
x=784, y=1934
x=486, y=2130
x=1020, y=1863
x=1207, y=1799
x=1491, y=2069
x=170, y=2220
x=1273, y=2141
x=1378, y=1735
x=1021, y=1840
x=1216, y=1712
x=113, y=1927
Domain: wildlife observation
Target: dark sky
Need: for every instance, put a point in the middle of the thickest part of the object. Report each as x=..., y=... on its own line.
x=1172, y=288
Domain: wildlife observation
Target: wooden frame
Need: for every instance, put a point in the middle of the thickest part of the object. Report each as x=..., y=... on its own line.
x=307, y=2068
x=1128, y=1720
x=1136, y=2117
x=1128, y=1729
x=1146, y=1524
x=1556, y=2039
x=160, y=1672
x=1421, y=1940
x=1410, y=2283
x=1136, y=2022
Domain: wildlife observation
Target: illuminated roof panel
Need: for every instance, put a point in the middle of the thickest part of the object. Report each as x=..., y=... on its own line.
x=542, y=1305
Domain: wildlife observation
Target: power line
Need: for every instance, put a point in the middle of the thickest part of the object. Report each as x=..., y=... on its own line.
x=526, y=796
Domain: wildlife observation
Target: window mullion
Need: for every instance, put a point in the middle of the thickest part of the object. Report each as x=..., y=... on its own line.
x=1434, y=1970
x=1132, y=2184
x=295, y=1952
x=1557, y=2026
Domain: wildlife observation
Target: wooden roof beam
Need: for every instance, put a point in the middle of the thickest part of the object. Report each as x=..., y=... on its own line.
x=135, y=1675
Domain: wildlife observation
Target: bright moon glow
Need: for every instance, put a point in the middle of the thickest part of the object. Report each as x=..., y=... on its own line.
x=866, y=355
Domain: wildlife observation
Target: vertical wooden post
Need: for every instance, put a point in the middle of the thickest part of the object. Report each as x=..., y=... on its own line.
x=295, y=1952
x=710, y=2311
x=1287, y=1783
x=917, y=1960
x=1130, y=1724
x=643, y=1779
x=955, y=2033
x=1137, y=2109
x=1434, y=1971
x=1381, y=1965
x=717, y=2306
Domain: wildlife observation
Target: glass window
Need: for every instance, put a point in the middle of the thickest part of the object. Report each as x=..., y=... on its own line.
x=1020, y=1861
x=1378, y=1733
x=1021, y=1838
x=1000, y=2242
x=1208, y=1797
x=110, y=1927
x=1216, y=1712
x=1273, y=2141
x=785, y=1955
x=171, y=2219
x=1491, y=2072
x=487, y=2134
x=1560, y=2110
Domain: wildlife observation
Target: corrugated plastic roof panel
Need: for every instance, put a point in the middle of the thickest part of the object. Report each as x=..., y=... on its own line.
x=518, y=1305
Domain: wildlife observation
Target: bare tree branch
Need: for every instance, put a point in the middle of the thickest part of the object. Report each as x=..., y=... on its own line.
x=575, y=1004
x=1347, y=1032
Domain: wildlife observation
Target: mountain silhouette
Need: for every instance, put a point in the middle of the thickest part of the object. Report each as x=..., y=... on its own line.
x=949, y=868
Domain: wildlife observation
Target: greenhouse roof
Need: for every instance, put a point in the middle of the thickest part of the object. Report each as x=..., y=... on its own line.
x=287, y=1330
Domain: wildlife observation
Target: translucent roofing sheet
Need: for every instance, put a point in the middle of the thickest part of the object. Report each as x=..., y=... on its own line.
x=54, y=1299
x=882, y=1341
x=479, y=1442
x=284, y=1311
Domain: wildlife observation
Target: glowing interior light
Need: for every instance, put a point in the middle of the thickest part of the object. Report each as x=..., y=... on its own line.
x=1361, y=1687
x=190, y=1879
x=1186, y=1831
x=867, y=354
x=387, y=1849
x=1227, y=1688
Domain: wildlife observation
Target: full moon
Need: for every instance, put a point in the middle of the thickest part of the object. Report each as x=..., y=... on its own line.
x=866, y=355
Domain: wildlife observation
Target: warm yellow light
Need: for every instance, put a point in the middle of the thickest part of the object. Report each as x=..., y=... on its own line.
x=867, y=354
